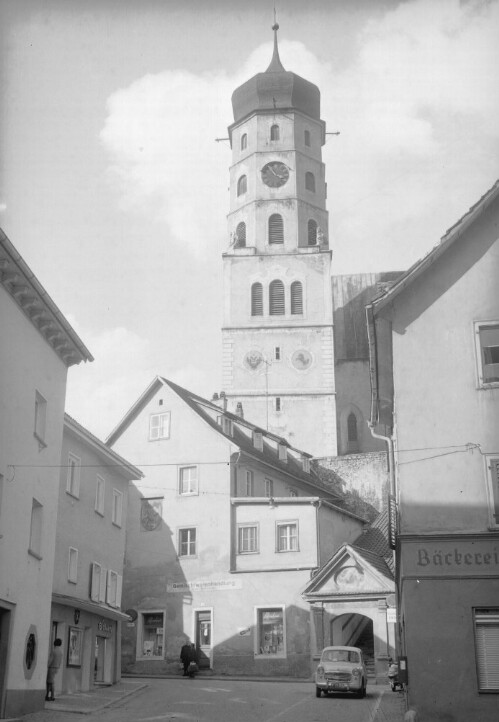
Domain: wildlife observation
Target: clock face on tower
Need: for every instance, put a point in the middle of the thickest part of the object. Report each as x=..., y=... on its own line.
x=275, y=174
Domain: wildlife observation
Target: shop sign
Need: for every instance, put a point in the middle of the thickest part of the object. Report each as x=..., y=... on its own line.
x=205, y=585
x=104, y=628
x=391, y=615
x=444, y=557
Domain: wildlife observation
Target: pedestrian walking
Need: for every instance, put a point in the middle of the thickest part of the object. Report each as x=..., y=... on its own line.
x=54, y=662
x=185, y=656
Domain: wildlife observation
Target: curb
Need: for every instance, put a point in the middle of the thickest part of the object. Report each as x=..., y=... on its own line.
x=80, y=710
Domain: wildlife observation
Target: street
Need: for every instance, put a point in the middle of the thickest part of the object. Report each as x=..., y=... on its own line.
x=209, y=700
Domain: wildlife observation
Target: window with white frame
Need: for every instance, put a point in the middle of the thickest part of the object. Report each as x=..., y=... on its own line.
x=269, y=488
x=226, y=424
x=36, y=527
x=271, y=631
x=98, y=578
x=487, y=348
x=151, y=635
x=73, y=477
x=188, y=480
x=287, y=536
x=282, y=450
x=159, y=426
x=487, y=648
x=493, y=469
x=250, y=483
x=113, y=588
x=100, y=490
x=187, y=542
x=258, y=440
x=40, y=417
x=73, y=565
x=247, y=539
x=306, y=464
x=117, y=514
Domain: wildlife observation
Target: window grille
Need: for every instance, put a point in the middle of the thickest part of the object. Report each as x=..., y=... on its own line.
x=312, y=232
x=257, y=299
x=244, y=141
x=274, y=132
x=242, y=185
x=276, y=229
x=240, y=240
x=296, y=298
x=276, y=298
x=310, y=181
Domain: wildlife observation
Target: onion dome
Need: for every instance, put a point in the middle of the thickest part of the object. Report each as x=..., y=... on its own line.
x=276, y=89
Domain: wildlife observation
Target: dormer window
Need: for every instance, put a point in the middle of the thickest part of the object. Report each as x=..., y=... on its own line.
x=242, y=185
x=244, y=141
x=282, y=451
x=305, y=460
x=258, y=440
x=226, y=424
x=274, y=132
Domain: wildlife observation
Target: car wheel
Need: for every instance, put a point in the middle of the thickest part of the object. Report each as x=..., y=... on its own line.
x=318, y=691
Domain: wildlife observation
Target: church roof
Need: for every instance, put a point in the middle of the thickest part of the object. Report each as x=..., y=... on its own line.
x=276, y=89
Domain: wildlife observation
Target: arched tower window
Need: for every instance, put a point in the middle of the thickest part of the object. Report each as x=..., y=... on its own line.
x=310, y=181
x=257, y=299
x=307, y=137
x=276, y=229
x=274, y=132
x=296, y=298
x=240, y=240
x=312, y=232
x=276, y=298
x=352, y=433
x=244, y=141
x=242, y=185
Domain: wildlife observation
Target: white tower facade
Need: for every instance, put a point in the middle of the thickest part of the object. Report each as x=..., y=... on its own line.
x=277, y=332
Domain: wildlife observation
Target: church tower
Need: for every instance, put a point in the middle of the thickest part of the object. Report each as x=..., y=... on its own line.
x=277, y=326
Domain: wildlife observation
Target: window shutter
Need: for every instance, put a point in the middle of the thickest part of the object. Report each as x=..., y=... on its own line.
x=102, y=586
x=257, y=299
x=296, y=298
x=276, y=229
x=312, y=232
x=276, y=298
x=119, y=589
x=95, y=576
x=487, y=648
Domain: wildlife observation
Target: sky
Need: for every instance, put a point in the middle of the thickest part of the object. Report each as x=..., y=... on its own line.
x=115, y=192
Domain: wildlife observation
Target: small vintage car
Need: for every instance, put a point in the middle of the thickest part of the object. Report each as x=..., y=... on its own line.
x=341, y=669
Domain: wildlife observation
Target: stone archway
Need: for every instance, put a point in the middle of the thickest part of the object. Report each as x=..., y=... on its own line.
x=355, y=630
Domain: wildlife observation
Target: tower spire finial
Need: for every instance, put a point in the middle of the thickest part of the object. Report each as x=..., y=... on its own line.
x=275, y=64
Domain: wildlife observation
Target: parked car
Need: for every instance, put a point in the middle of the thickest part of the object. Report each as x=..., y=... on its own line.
x=341, y=669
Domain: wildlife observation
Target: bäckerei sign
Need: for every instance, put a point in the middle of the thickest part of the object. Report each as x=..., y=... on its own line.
x=443, y=557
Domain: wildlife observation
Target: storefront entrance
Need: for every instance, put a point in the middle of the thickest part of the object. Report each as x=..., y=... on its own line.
x=100, y=659
x=203, y=638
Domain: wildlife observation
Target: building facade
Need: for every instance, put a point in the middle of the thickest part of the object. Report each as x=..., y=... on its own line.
x=277, y=324
x=89, y=556
x=223, y=533
x=38, y=347
x=434, y=353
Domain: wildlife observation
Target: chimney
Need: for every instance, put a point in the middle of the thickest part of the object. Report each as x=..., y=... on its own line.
x=223, y=399
x=239, y=410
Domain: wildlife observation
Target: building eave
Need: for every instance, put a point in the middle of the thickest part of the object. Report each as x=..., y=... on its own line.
x=89, y=606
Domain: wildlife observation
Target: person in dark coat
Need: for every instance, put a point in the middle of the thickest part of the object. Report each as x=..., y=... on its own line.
x=186, y=656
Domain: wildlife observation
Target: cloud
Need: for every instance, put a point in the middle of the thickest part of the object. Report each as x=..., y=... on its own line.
x=3, y=207
x=416, y=107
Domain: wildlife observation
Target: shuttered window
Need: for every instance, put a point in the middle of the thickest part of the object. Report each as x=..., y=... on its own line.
x=240, y=239
x=242, y=185
x=257, y=299
x=296, y=298
x=244, y=141
x=310, y=182
x=274, y=132
x=312, y=232
x=487, y=649
x=276, y=229
x=276, y=298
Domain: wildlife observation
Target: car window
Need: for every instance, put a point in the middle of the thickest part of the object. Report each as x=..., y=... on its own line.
x=340, y=655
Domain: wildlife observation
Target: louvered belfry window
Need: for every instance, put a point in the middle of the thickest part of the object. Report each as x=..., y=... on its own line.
x=276, y=229
x=276, y=298
x=487, y=649
x=242, y=185
x=312, y=232
x=296, y=297
x=240, y=240
x=274, y=132
x=257, y=299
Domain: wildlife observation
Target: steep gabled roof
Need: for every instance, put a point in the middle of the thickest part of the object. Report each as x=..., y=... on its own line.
x=241, y=436
x=373, y=542
x=33, y=300
x=111, y=458
x=445, y=243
